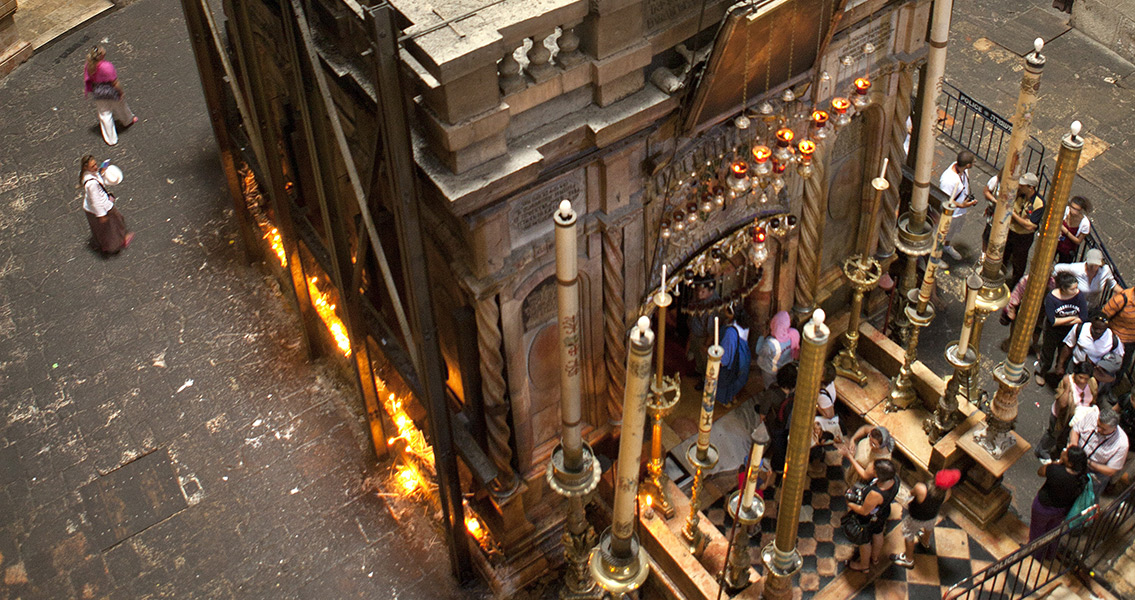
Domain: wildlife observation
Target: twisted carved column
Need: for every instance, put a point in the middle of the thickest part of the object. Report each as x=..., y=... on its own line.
x=889, y=210
x=614, y=324
x=493, y=388
x=814, y=214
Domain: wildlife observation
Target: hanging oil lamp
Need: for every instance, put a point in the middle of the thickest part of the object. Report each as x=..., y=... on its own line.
x=783, y=152
x=738, y=182
x=819, y=124
x=804, y=166
x=841, y=105
x=861, y=100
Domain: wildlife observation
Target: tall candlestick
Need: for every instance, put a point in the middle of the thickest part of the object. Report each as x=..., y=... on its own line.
x=702, y=455
x=756, y=455
x=1011, y=375
x=664, y=395
x=618, y=564
x=781, y=558
x=883, y=171
x=567, y=297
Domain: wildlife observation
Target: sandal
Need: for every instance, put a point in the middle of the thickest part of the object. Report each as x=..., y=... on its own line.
x=129, y=238
x=1039, y=379
x=902, y=561
x=132, y=122
x=847, y=565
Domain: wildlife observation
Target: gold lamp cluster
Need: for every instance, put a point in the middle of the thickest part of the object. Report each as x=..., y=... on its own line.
x=773, y=145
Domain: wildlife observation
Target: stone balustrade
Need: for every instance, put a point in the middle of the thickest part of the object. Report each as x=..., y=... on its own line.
x=489, y=76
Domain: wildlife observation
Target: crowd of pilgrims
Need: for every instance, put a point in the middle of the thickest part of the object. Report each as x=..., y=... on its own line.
x=1083, y=341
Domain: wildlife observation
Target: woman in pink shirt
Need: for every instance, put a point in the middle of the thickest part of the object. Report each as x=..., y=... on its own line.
x=101, y=80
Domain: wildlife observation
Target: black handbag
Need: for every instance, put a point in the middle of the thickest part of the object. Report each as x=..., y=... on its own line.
x=105, y=91
x=855, y=529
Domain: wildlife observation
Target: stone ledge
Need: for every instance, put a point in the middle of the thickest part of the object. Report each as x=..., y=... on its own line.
x=13, y=56
x=621, y=63
x=452, y=138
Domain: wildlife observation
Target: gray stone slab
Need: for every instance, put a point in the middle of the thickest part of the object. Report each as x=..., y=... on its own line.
x=128, y=500
x=1018, y=34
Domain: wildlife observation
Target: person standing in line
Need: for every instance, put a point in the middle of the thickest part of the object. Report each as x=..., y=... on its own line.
x=873, y=512
x=701, y=331
x=1025, y=216
x=1073, y=228
x=1120, y=313
x=780, y=347
x=1064, y=479
x=955, y=184
x=1088, y=345
x=1104, y=442
x=1093, y=277
x=1077, y=389
x=922, y=513
x=1064, y=308
x=100, y=79
x=735, y=357
x=107, y=224
x=869, y=444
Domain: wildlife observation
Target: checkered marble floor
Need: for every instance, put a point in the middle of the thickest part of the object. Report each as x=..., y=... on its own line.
x=823, y=546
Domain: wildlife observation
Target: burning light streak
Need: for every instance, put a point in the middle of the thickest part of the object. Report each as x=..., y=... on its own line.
x=326, y=311
x=277, y=245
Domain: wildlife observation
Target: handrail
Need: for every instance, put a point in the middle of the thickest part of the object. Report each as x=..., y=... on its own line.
x=1049, y=557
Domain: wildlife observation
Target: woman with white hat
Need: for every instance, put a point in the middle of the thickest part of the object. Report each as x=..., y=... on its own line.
x=107, y=224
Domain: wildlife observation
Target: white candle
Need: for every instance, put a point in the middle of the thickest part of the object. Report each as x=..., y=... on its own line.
x=883, y=173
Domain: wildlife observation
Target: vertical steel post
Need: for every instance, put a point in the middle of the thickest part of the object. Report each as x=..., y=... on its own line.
x=405, y=204
x=1011, y=375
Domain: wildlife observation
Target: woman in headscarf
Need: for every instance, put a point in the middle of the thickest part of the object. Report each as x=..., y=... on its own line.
x=107, y=225
x=779, y=348
x=101, y=79
x=870, y=443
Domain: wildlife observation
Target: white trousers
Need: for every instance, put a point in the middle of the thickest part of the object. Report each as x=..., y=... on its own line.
x=109, y=110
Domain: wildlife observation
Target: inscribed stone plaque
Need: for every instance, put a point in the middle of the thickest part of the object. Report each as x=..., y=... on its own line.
x=660, y=13
x=530, y=214
x=540, y=305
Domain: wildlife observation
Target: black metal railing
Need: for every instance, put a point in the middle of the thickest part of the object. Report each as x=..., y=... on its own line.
x=1033, y=566
x=979, y=129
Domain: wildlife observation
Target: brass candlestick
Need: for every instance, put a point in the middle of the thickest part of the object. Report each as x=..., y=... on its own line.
x=781, y=558
x=572, y=471
x=703, y=455
x=618, y=563
x=664, y=395
x=919, y=312
x=863, y=273
x=963, y=359
x=1011, y=376
x=747, y=509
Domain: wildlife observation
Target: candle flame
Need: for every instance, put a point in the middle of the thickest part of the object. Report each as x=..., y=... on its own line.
x=739, y=169
x=841, y=104
x=323, y=306
x=784, y=136
x=862, y=84
x=761, y=153
x=819, y=117
x=807, y=147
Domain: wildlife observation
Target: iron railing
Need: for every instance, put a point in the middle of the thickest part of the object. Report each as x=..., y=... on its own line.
x=979, y=129
x=1051, y=556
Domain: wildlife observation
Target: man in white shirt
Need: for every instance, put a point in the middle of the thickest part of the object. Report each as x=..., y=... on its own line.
x=955, y=184
x=1089, y=344
x=1092, y=275
x=1105, y=443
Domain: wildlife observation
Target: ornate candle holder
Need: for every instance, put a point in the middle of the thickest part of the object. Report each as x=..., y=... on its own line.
x=863, y=273
x=659, y=405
